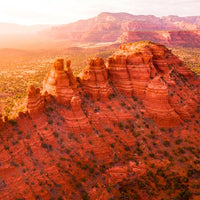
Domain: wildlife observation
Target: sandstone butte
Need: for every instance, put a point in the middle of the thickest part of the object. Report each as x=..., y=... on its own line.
x=127, y=129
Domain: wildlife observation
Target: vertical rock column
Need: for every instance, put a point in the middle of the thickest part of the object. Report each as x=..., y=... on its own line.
x=35, y=101
x=57, y=83
x=94, y=79
x=157, y=104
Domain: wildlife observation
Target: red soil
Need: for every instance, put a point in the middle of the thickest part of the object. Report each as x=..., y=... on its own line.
x=95, y=139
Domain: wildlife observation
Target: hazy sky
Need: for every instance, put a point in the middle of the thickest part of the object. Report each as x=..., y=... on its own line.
x=65, y=11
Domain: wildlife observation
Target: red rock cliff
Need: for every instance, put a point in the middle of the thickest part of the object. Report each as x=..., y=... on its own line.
x=35, y=101
x=59, y=83
x=107, y=149
x=131, y=69
x=94, y=79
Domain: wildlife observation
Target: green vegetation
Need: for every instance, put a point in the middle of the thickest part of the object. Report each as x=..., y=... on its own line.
x=17, y=72
x=190, y=56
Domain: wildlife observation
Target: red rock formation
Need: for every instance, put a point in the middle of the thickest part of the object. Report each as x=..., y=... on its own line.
x=131, y=69
x=72, y=79
x=59, y=83
x=157, y=104
x=75, y=119
x=108, y=149
x=76, y=103
x=94, y=79
x=35, y=101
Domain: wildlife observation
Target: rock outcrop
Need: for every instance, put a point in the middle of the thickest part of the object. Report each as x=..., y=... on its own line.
x=94, y=79
x=75, y=119
x=157, y=104
x=59, y=83
x=35, y=101
x=132, y=68
x=76, y=147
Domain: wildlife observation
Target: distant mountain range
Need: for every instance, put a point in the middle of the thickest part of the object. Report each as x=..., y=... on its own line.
x=106, y=27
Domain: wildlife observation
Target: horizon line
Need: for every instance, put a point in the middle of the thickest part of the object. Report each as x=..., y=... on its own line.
x=73, y=21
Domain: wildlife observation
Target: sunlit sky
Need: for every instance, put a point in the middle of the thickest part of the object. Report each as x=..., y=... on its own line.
x=30, y=12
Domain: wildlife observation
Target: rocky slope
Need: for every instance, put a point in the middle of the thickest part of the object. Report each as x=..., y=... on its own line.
x=169, y=38
x=125, y=130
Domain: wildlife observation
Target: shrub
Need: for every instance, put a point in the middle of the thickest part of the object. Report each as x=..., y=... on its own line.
x=166, y=143
x=109, y=130
x=102, y=168
x=78, y=185
x=20, y=132
x=120, y=125
x=13, y=122
x=123, y=104
x=85, y=166
x=85, y=196
x=55, y=134
x=126, y=148
x=178, y=141
x=184, y=194
x=152, y=155
x=50, y=122
x=28, y=137
x=135, y=98
x=112, y=145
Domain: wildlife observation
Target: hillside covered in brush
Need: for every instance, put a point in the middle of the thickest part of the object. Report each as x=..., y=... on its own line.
x=125, y=129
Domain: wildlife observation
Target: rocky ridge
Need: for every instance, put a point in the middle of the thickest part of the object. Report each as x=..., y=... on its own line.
x=170, y=38
x=94, y=137
x=107, y=27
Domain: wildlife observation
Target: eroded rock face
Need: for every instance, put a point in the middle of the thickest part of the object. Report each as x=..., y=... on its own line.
x=94, y=79
x=76, y=103
x=106, y=149
x=151, y=72
x=129, y=70
x=157, y=104
x=59, y=83
x=35, y=101
x=72, y=80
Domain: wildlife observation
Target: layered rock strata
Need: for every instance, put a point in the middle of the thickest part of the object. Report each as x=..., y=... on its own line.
x=107, y=149
x=157, y=104
x=133, y=66
x=35, y=101
x=59, y=83
x=94, y=79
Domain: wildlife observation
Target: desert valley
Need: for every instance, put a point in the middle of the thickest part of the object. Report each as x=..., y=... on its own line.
x=105, y=108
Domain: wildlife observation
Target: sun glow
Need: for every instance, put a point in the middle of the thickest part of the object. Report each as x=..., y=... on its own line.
x=62, y=11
